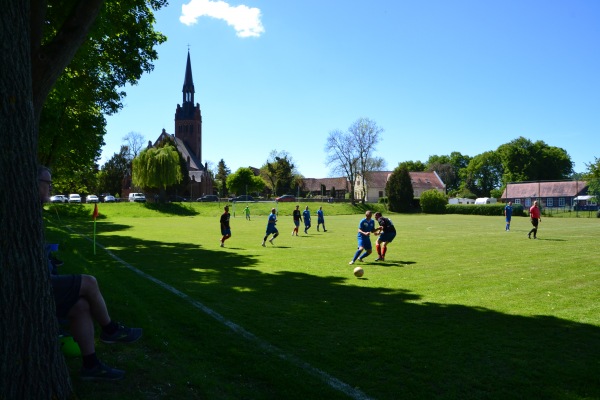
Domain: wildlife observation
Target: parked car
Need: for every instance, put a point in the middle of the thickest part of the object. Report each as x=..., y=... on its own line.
x=109, y=198
x=208, y=198
x=92, y=198
x=74, y=198
x=243, y=197
x=285, y=197
x=177, y=199
x=59, y=198
x=137, y=197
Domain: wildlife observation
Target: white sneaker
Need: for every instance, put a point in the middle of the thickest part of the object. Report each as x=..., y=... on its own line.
x=222, y=244
x=351, y=262
x=263, y=244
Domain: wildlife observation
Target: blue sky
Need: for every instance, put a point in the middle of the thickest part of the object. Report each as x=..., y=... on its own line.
x=438, y=76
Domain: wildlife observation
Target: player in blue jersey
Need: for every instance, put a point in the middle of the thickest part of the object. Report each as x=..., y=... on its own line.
x=225, y=228
x=365, y=228
x=508, y=215
x=306, y=217
x=271, y=229
x=387, y=233
x=321, y=219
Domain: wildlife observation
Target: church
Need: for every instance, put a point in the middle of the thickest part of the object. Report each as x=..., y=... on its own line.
x=188, y=139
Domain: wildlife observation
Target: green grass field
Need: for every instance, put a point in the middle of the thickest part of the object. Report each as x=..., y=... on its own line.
x=460, y=309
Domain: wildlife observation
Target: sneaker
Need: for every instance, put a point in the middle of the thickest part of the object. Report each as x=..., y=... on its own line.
x=101, y=372
x=529, y=235
x=379, y=259
x=122, y=335
x=222, y=244
x=263, y=244
x=351, y=262
x=271, y=241
x=360, y=259
x=324, y=230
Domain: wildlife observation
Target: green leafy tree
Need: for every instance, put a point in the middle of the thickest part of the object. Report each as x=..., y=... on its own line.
x=221, y=178
x=110, y=178
x=593, y=178
x=524, y=160
x=449, y=168
x=157, y=168
x=413, y=166
x=279, y=173
x=182, y=185
x=484, y=174
x=243, y=181
x=399, y=190
x=72, y=122
x=433, y=202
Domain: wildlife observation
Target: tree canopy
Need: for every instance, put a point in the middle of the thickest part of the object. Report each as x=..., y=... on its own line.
x=244, y=181
x=399, y=190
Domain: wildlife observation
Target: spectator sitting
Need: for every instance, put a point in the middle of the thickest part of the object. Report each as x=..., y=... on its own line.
x=79, y=300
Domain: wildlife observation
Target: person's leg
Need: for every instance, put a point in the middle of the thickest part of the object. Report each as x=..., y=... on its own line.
x=81, y=325
x=360, y=249
x=90, y=291
x=366, y=254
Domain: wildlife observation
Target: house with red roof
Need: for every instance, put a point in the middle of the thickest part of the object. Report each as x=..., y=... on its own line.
x=376, y=182
x=549, y=194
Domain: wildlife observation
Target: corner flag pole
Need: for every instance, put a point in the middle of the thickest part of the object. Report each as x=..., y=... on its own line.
x=95, y=215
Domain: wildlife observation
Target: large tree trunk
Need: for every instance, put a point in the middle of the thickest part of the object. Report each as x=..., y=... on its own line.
x=31, y=364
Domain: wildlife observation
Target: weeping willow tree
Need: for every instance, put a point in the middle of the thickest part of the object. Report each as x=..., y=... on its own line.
x=157, y=168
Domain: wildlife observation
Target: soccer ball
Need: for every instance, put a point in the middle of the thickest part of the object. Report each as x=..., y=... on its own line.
x=358, y=272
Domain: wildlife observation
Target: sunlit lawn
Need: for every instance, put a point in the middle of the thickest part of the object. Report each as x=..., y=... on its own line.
x=460, y=308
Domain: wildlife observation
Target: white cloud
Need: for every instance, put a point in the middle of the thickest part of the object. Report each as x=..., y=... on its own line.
x=245, y=20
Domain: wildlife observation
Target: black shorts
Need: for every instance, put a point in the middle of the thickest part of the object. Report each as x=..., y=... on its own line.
x=66, y=292
x=534, y=222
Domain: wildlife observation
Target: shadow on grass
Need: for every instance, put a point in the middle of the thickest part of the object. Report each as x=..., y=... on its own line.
x=175, y=209
x=399, y=346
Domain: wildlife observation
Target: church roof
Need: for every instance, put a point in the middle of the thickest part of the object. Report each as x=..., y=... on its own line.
x=186, y=153
x=188, y=82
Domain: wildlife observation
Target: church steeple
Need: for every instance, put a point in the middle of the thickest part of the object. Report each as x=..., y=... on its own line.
x=188, y=83
x=188, y=117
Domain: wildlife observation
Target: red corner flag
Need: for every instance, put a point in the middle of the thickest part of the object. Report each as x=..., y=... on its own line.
x=95, y=214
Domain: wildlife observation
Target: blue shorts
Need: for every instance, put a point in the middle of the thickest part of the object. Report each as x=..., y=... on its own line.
x=365, y=243
x=387, y=237
x=226, y=231
x=321, y=221
x=271, y=229
x=307, y=224
x=507, y=219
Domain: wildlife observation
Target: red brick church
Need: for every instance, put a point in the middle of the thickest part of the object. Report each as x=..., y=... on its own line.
x=188, y=139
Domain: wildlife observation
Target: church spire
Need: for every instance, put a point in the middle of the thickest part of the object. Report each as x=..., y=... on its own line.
x=188, y=83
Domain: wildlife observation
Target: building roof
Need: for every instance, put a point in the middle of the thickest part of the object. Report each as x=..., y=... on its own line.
x=421, y=181
x=544, y=189
x=314, y=184
x=186, y=153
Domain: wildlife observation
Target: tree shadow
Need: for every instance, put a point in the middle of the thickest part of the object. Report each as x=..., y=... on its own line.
x=399, y=346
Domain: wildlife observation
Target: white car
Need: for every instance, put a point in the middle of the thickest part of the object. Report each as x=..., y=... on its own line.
x=74, y=198
x=58, y=198
x=110, y=199
x=137, y=197
x=92, y=198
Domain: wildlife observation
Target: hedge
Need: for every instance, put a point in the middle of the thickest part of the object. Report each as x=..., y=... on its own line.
x=484, y=209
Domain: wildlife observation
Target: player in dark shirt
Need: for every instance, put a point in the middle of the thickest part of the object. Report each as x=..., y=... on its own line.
x=297, y=218
x=225, y=228
x=387, y=233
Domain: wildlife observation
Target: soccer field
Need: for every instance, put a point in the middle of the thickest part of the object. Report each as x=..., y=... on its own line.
x=459, y=309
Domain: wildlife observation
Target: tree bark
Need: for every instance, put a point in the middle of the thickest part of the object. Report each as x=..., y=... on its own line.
x=31, y=363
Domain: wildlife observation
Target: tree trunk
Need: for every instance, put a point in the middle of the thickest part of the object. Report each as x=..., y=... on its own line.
x=31, y=364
